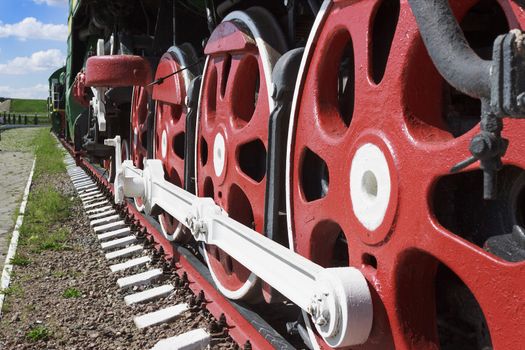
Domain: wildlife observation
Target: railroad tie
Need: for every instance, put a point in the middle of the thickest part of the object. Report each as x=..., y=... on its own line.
x=136, y=262
x=149, y=294
x=160, y=316
x=192, y=340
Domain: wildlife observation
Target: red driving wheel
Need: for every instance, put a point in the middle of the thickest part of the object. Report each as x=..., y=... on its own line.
x=170, y=126
x=374, y=134
x=140, y=102
x=232, y=132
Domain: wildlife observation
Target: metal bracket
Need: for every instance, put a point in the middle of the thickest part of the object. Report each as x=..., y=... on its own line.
x=98, y=102
x=338, y=299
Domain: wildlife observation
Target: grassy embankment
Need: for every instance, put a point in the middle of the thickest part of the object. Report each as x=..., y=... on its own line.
x=30, y=108
x=46, y=209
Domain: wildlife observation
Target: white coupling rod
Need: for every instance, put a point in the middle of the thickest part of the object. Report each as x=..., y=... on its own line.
x=335, y=297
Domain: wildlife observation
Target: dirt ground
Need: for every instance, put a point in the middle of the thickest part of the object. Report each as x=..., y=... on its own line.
x=16, y=158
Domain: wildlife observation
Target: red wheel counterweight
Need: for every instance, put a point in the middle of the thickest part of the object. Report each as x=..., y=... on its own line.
x=170, y=126
x=374, y=134
x=232, y=132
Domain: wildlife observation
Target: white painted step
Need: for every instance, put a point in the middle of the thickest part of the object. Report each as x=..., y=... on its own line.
x=98, y=210
x=122, y=253
x=118, y=243
x=143, y=260
x=79, y=179
x=139, y=278
x=83, y=183
x=196, y=339
x=88, y=189
x=91, y=196
x=97, y=204
x=149, y=294
x=87, y=186
x=94, y=199
x=88, y=194
x=114, y=234
x=104, y=220
x=109, y=227
x=160, y=316
x=102, y=214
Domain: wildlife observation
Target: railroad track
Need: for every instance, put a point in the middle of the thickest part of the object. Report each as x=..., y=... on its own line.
x=126, y=236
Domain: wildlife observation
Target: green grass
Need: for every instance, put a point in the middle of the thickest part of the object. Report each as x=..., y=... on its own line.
x=38, y=333
x=46, y=207
x=71, y=293
x=20, y=260
x=26, y=106
x=50, y=159
x=13, y=290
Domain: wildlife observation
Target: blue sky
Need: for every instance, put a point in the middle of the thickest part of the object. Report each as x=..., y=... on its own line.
x=33, y=44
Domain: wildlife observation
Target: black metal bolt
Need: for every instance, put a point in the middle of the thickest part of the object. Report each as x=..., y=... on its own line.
x=480, y=146
x=200, y=297
x=213, y=327
x=222, y=321
x=247, y=345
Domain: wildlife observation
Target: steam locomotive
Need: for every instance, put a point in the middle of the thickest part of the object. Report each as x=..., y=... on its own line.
x=382, y=135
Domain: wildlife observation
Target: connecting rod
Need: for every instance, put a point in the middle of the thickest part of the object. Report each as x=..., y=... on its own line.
x=338, y=299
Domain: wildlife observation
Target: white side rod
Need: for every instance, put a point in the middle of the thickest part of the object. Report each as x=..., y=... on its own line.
x=338, y=299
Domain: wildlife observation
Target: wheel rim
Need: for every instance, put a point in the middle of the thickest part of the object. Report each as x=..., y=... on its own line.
x=170, y=127
x=139, y=131
x=233, y=125
x=404, y=249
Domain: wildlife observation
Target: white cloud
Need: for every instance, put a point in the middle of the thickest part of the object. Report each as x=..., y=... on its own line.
x=31, y=28
x=51, y=2
x=37, y=62
x=38, y=91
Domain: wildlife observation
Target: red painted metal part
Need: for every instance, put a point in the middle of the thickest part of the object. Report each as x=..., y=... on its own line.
x=79, y=89
x=227, y=108
x=239, y=328
x=118, y=71
x=402, y=115
x=170, y=127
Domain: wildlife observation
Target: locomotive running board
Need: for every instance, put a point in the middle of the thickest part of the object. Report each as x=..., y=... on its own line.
x=338, y=299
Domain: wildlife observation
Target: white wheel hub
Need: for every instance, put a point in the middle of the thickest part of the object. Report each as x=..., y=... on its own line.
x=370, y=186
x=164, y=144
x=219, y=154
x=135, y=137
